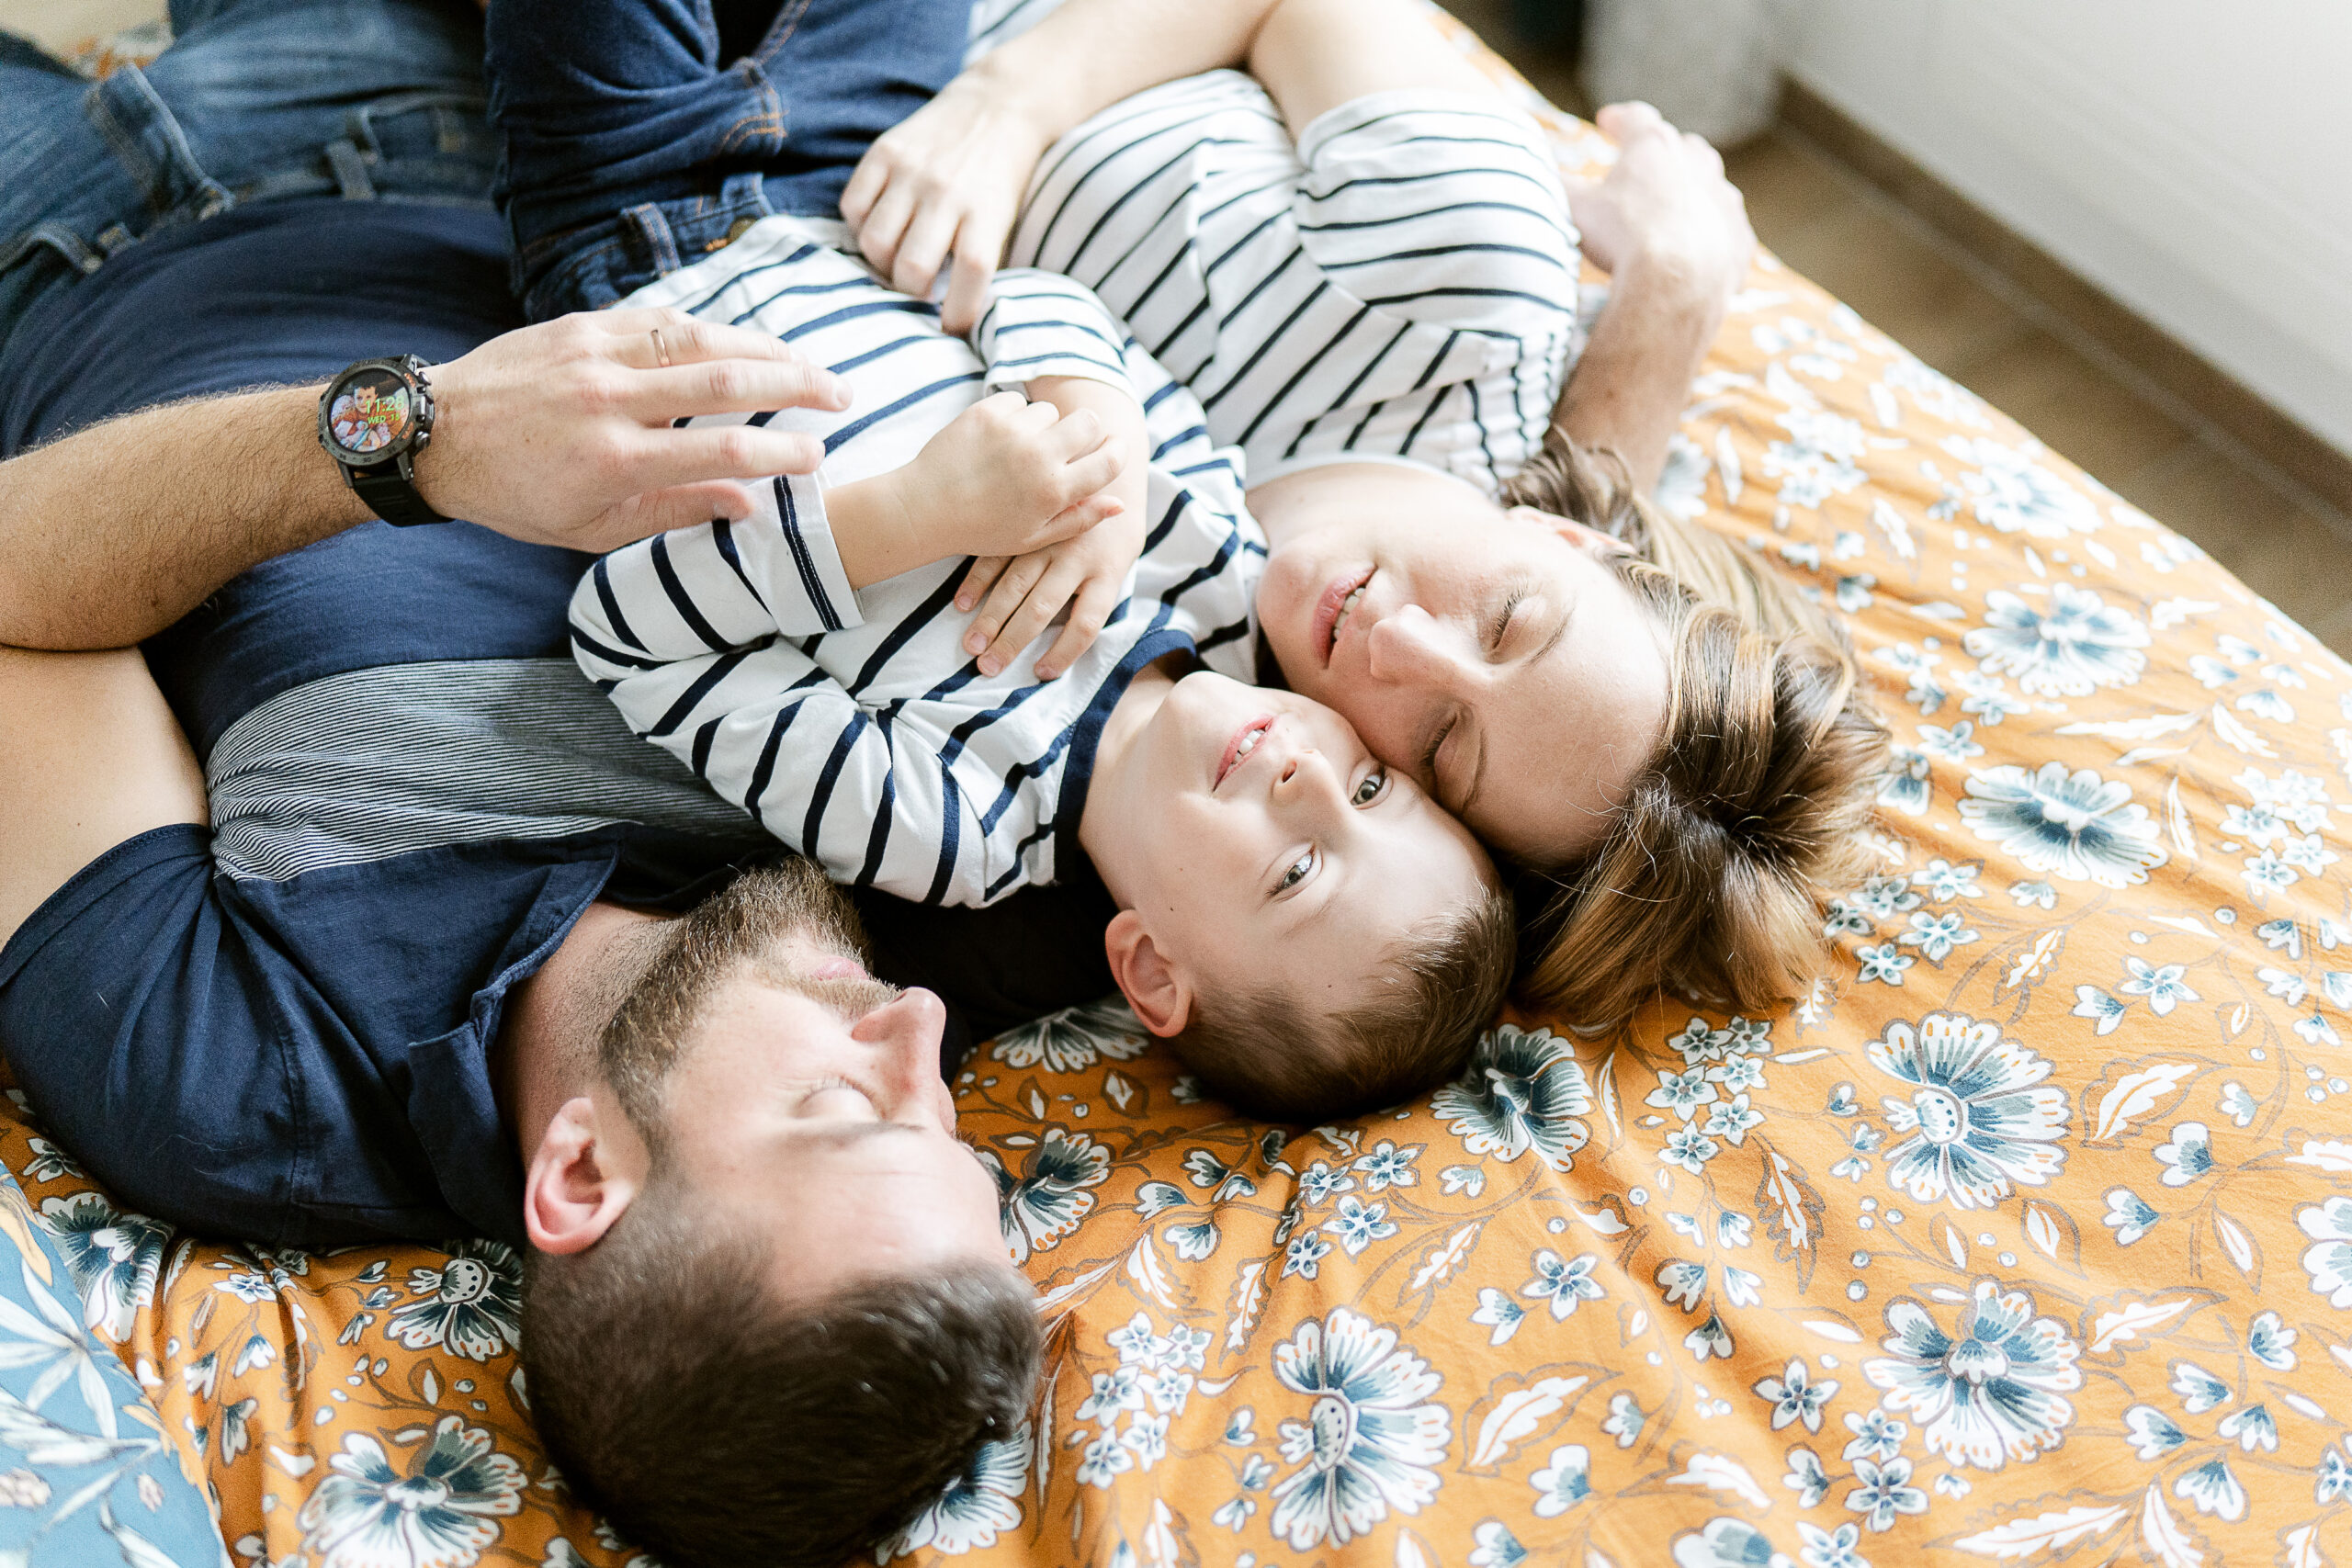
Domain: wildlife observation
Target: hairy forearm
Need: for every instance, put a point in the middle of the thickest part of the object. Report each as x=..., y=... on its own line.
x=1091, y=53
x=111, y=535
x=1629, y=388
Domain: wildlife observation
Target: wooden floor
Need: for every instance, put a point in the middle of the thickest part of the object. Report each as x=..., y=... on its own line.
x=1919, y=287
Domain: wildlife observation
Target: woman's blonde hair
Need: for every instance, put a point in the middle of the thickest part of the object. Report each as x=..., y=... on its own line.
x=1710, y=878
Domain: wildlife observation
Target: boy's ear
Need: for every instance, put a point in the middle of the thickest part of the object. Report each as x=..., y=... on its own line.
x=571, y=1191
x=1155, y=988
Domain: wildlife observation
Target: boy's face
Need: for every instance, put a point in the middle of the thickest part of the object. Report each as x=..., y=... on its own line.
x=1262, y=846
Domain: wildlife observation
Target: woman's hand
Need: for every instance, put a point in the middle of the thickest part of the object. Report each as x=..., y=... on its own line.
x=945, y=184
x=1664, y=203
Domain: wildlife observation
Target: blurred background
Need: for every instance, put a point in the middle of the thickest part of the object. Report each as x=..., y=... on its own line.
x=2126, y=222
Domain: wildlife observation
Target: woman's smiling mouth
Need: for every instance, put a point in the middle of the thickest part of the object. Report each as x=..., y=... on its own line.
x=1332, y=610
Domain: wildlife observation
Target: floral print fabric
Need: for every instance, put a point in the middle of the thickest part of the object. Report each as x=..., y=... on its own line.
x=2025, y=1236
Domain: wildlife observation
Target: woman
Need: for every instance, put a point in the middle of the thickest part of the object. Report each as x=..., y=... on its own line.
x=1665, y=735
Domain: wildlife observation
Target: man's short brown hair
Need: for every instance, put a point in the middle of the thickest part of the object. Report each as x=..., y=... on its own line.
x=712, y=1422
x=1267, y=1057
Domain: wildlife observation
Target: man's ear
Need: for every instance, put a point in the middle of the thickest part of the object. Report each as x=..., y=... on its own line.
x=1581, y=536
x=1155, y=988
x=571, y=1191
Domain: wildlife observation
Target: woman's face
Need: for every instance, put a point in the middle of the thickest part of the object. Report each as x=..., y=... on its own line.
x=1493, y=655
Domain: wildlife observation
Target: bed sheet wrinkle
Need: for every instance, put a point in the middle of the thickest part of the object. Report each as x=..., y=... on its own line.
x=2025, y=1236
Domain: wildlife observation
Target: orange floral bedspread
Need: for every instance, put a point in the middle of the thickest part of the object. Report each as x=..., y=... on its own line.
x=2025, y=1239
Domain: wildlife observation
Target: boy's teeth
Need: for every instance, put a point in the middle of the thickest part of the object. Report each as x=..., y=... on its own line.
x=1346, y=606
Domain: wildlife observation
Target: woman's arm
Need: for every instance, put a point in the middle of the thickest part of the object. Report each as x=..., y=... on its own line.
x=1673, y=234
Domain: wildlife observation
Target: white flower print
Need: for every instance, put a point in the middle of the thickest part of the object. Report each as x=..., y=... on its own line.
x=2199, y=1390
x=1073, y=1039
x=2269, y=1341
x=1050, y=1196
x=1817, y=461
x=1387, y=1166
x=2103, y=1012
x=2252, y=1428
x=1831, y=1548
x=113, y=1256
x=1877, y=1434
x=1522, y=1091
x=1689, y=1148
x=440, y=1514
x=2213, y=1489
x=2293, y=798
x=470, y=1306
x=1883, y=1492
x=2012, y=494
x=1990, y=1390
x=2163, y=986
x=2128, y=1215
x=2034, y=895
x=1795, y=1396
x=1625, y=1420
x=1982, y=1120
x=1936, y=935
x=1806, y=1477
x=2079, y=826
x=1908, y=785
x=1565, y=1284
x=976, y=1506
x=1682, y=1093
x=1358, y=1225
x=2187, y=1155
x=2328, y=1261
x=1367, y=1444
x=1884, y=962
x=1565, y=1481
x=2072, y=648
x=1726, y=1542
x=1104, y=1460
x=1500, y=1312
x=2150, y=1432
x=1941, y=880
x=1497, y=1547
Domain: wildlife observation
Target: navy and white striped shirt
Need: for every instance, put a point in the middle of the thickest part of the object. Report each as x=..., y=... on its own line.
x=851, y=724
x=1400, y=284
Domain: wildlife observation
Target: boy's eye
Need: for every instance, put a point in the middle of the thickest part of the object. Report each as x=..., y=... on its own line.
x=1297, y=872
x=1370, y=790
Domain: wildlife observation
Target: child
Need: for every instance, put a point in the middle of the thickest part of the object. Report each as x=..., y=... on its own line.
x=1312, y=931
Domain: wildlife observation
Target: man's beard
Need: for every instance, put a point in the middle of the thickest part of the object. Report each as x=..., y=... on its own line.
x=741, y=931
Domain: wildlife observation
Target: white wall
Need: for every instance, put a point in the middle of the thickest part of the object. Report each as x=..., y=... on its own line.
x=2193, y=160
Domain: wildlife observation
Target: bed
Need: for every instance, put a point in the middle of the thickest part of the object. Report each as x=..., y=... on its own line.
x=2025, y=1236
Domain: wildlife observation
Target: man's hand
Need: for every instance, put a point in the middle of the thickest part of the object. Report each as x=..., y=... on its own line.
x=1005, y=478
x=1664, y=202
x=945, y=184
x=562, y=434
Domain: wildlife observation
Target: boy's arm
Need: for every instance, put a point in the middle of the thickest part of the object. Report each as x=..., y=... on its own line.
x=871, y=802
x=1053, y=338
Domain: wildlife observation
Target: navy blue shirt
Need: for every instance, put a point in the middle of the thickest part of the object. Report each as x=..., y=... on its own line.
x=280, y=1027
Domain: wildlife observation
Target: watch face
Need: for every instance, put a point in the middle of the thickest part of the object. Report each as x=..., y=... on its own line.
x=371, y=409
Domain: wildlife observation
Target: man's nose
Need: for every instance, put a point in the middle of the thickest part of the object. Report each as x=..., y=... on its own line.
x=904, y=1033
x=1409, y=647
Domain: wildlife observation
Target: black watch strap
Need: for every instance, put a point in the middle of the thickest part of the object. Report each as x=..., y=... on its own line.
x=390, y=490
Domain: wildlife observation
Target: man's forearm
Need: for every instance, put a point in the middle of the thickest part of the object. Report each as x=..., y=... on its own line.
x=111, y=535
x=1631, y=385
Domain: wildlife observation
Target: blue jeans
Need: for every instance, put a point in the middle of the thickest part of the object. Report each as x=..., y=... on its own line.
x=255, y=99
x=630, y=149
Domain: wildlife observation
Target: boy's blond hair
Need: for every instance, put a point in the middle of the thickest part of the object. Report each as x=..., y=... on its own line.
x=1265, y=1056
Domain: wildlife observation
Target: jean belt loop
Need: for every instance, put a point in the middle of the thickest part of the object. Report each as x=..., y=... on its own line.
x=649, y=232
x=350, y=170
x=745, y=194
x=150, y=143
x=69, y=246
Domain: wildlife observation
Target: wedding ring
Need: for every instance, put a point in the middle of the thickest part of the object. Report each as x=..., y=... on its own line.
x=661, y=349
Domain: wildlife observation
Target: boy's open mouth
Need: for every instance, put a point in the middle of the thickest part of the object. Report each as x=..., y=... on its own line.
x=1244, y=740
x=1332, y=609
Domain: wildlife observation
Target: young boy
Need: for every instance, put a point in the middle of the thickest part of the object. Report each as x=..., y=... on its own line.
x=1313, y=931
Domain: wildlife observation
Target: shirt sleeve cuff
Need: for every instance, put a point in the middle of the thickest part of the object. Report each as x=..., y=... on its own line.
x=808, y=534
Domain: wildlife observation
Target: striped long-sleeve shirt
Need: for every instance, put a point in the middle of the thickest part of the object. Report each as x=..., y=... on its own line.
x=1400, y=284
x=851, y=724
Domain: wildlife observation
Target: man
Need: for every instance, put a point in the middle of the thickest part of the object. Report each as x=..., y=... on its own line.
x=350, y=892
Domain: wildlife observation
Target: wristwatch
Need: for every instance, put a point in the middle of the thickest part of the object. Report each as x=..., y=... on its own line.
x=373, y=418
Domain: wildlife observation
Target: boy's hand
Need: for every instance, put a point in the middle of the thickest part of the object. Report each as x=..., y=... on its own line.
x=1026, y=593
x=1006, y=477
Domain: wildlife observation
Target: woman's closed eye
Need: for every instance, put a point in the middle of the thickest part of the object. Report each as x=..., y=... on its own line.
x=1498, y=623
